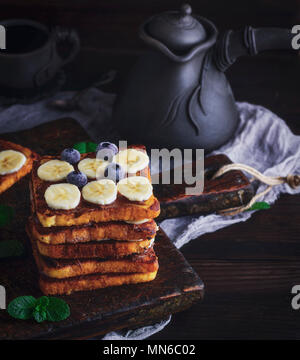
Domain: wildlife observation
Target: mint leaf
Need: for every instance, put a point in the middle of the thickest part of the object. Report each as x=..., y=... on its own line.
x=91, y=147
x=57, y=309
x=6, y=214
x=41, y=309
x=81, y=147
x=85, y=147
x=41, y=303
x=21, y=307
x=260, y=205
x=39, y=316
x=11, y=248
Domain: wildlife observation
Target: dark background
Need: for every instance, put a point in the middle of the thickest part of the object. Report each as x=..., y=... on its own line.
x=249, y=268
x=112, y=24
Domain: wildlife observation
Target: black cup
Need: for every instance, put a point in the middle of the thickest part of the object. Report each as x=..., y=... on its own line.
x=31, y=58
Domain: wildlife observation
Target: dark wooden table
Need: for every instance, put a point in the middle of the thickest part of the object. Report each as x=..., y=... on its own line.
x=248, y=268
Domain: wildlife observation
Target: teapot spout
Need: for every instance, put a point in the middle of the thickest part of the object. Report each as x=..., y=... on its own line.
x=249, y=41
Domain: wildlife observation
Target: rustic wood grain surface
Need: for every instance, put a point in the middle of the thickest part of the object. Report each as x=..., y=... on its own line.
x=228, y=191
x=248, y=268
x=175, y=288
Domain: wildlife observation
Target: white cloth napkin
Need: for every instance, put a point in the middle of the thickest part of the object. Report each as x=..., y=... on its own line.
x=262, y=140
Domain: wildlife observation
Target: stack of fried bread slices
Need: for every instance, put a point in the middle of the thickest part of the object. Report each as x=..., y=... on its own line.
x=97, y=235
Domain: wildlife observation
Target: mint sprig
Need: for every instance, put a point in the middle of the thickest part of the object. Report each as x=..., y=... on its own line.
x=41, y=309
x=21, y=307
x=39, y=316
x=91, y=146
x=11, y=248
x=57, y=309
x=6, y=214
x=85, y=147
x=81, y=147
x=260, y=205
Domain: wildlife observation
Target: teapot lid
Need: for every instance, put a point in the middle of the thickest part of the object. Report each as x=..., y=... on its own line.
x=178, y=30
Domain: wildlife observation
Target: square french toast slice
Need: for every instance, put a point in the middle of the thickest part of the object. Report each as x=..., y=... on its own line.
x=93, y=249
x=65, y=268
x=15, y=162
x=51, y=286
x=115, y=230
x=87, y=211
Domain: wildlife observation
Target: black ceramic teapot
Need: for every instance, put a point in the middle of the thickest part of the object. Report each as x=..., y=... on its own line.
x=177, y=94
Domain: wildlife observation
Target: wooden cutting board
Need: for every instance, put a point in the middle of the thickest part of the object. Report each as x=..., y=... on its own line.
x=231, y=190
x=175, y=288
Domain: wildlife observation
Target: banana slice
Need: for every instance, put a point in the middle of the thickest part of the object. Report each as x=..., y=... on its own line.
x=92, y=168
x=135, y=188
x=54, y=170
x=137, y=222
x=100, y=192
x=11, y=161
x=132, y=160
x=151, y=242
x=62, y=196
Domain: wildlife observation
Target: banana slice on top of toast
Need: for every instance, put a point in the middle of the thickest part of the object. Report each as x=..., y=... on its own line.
x=54, y=170
x=100, y=192
x=135, y=188
x=132, y=160
x=62, y=196
x=11, y=161
x=92, y=167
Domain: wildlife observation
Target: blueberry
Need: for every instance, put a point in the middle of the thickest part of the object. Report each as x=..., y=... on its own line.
x=114, y=172
x=70, y=155
x=105, y=154
x=77, y=178
x=106, y=151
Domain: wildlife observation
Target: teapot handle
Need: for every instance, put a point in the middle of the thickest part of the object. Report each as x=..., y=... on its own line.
x=250, y=41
